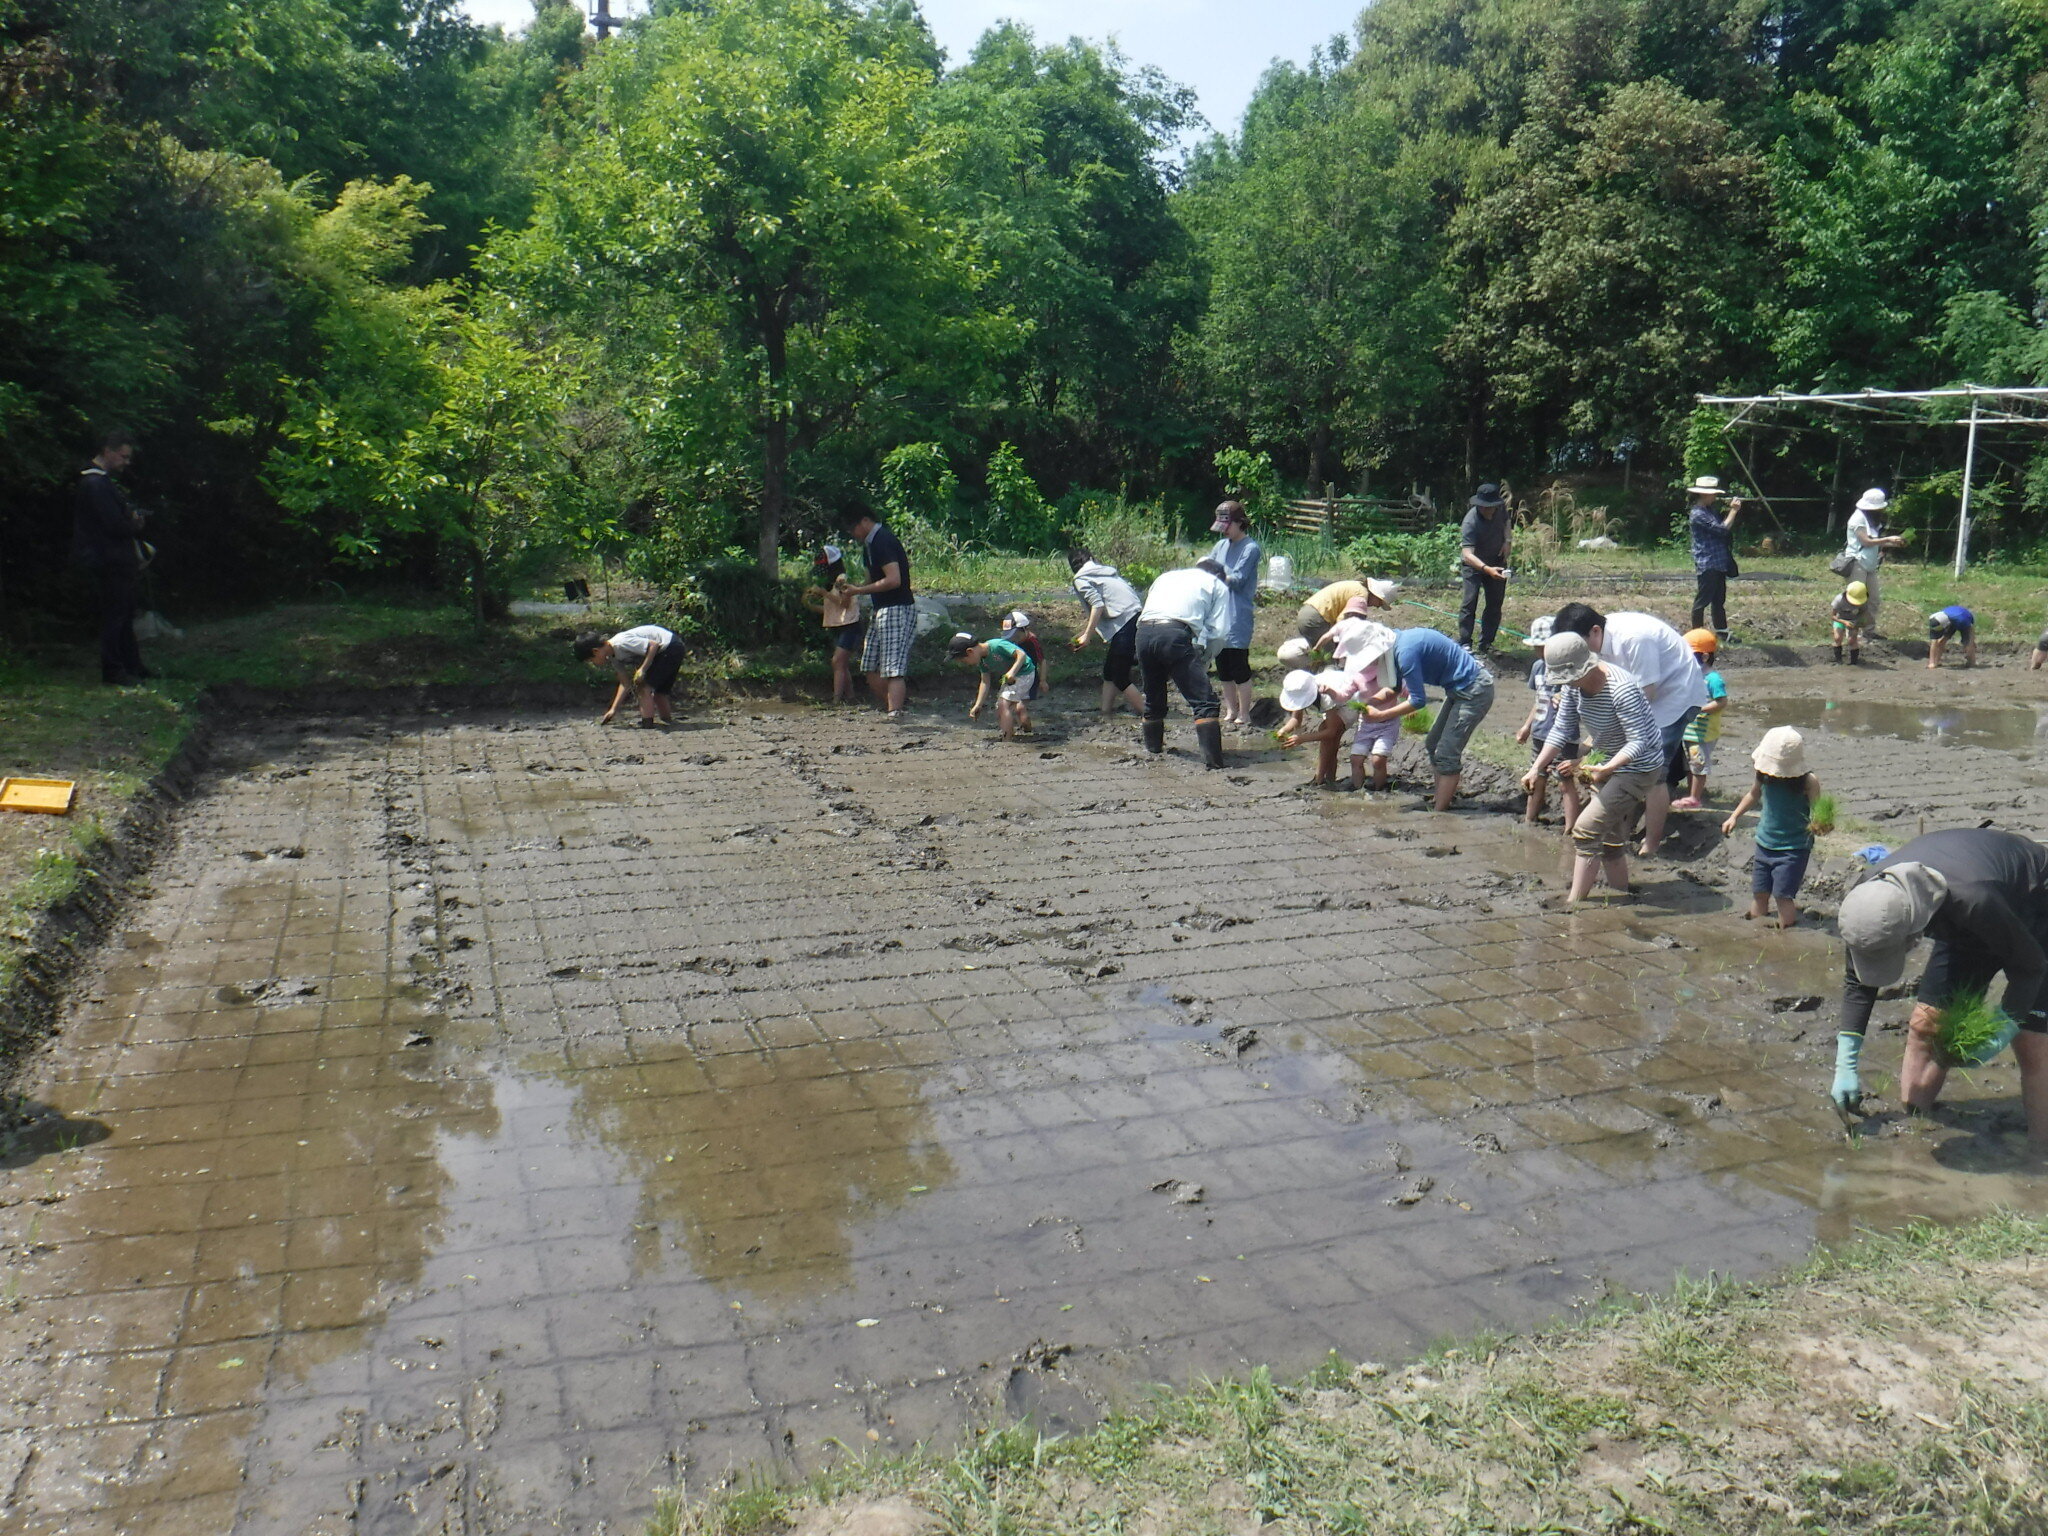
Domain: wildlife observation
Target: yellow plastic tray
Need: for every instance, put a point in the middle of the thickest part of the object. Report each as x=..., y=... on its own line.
x=52, y=797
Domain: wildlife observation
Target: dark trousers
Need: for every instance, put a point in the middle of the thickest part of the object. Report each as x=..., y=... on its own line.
x=1494, y=590
x=120, y=656
x=1676, y=764
x=1167, y=653
x=1711, y=594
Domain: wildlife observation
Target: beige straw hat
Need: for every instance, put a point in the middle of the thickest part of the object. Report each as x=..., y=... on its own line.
x=1781, y=754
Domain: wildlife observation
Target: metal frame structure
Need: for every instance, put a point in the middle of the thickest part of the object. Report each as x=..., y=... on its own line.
x=2016, y=407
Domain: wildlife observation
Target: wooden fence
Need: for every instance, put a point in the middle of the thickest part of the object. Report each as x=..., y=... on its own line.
x=1340, y=519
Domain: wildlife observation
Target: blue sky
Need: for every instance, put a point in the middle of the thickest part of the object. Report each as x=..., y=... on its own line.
x=1220, y=47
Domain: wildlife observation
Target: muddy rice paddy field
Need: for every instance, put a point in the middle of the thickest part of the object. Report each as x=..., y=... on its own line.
x=486, y=1119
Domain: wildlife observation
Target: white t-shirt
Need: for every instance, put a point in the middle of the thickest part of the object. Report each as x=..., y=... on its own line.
x=631, y=647
x=1869, y=554
x=1658, y=657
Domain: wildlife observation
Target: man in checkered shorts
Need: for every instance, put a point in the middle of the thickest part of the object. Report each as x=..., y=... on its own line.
x=886, y=656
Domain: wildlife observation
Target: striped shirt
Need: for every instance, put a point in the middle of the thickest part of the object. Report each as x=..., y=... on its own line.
x=1617, y=718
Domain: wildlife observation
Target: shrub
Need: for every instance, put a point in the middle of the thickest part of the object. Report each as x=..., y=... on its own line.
x=1018, y=516
x=918, y=481
x=739, y=604
x=1406, y=554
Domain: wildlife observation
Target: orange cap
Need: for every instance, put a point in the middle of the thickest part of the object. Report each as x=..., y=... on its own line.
x=1704, y=642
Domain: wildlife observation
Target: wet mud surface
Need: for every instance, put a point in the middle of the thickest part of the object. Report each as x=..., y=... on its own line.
x=487, y=1120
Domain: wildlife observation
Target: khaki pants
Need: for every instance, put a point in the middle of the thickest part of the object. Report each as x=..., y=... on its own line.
x=1602, y=830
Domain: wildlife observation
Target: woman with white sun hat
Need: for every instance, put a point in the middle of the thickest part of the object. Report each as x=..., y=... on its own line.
x=1865, y=551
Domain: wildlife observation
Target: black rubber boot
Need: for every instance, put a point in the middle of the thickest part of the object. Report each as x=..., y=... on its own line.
x=1838, y=655
x=1155, y=736
x=1210, y=734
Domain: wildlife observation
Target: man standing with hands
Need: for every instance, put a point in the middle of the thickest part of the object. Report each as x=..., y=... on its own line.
x=1484, y=556
x=1713, y=552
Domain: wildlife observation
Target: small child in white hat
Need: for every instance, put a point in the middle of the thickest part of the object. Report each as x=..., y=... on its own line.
x=1784, y=830
x=1537, y=726
x=1018, y=631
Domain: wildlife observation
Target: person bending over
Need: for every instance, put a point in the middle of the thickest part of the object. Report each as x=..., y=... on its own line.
x=646, y=660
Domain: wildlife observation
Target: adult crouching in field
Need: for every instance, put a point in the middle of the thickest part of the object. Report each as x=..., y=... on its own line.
x=1605, y=703
x=1981, y=896
x=1185, y=621
x=1326, y=605
x=1483, y=553
x=1112, y=605
x=1657, y=657
x=1426, y=658
x=646, y=659
x=892, y=626
x=1865, y=551
x=1237, y=553
x=1712, y=528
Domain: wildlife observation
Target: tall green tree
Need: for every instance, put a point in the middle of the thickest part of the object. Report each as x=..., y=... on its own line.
x=774, y=202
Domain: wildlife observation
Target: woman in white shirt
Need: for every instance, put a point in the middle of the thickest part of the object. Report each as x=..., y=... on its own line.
x=1867, y=543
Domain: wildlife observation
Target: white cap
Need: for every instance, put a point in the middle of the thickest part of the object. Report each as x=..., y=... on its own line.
x=831, y=554
x=1016, y=618
x=1298, y=689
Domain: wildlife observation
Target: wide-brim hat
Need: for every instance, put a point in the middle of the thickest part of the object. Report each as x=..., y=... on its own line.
x=1357, y=608
x=1488, y=495
x=1706, y=485
x=1872, y=500
x=1293, y=649
x=1383, y=591
x=1781, y=754
x=1567, y=658
x=1298, y=689
x=1372, y=641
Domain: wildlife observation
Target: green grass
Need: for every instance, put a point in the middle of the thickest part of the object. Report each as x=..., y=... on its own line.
x=1661, y=1414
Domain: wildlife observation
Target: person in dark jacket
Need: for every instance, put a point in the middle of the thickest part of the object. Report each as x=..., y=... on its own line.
x=1482, y=559
x=106, y=540
x=1981, y=896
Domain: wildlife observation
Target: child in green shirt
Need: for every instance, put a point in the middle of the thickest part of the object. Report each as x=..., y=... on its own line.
x=1705, y=729
x=1008, y=668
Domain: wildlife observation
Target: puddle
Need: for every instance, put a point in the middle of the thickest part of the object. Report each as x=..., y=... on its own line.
x=2006, y=728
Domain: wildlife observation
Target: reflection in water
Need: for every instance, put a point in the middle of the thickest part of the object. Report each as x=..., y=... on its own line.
x=762, y=1180
x=2007, y=729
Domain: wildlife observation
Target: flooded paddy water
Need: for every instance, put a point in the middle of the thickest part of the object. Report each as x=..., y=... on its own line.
x=486, y=1121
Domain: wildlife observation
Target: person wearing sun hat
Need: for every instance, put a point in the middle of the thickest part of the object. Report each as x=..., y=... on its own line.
x=1344, y=638
x=1867, y=542
x=1425, y=656
x=1981, y=896
x=1601, y=700
x=1849, y=613
x=1784, y=829
x=1482, y=558
x=1343, y=693
x=1536, y=729
x=1713, y=550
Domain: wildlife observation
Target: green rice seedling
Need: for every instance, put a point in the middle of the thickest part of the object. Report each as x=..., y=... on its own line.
x=1418, y=723
x=1822, y=818
x=1972, y=1032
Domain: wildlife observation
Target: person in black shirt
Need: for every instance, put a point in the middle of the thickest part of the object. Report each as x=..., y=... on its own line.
x=893, y=626
x=105, y=540
x=1483, y=557
x=1981, y=895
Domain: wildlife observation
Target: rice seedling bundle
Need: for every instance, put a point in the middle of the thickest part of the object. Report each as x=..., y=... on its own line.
x=1972, y=1032
x=1822, y=818
x=1418, y=723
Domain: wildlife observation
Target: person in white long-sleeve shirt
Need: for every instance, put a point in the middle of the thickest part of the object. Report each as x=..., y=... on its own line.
x=1185, y=621
x=1657, y=656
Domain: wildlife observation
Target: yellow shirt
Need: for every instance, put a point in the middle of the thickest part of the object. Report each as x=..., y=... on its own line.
x=1330, y=601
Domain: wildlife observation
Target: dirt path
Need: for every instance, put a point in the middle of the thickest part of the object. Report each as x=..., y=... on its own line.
x=488, y=1120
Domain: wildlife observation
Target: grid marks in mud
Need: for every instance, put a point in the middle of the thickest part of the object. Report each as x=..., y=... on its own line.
x=733, y=1041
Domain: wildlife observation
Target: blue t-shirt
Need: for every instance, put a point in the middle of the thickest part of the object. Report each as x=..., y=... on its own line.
x=1959, y=616
x=1240, y=562
x=1429, y=656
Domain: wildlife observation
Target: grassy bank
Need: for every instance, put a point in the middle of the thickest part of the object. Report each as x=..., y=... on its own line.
x=1894, y=1385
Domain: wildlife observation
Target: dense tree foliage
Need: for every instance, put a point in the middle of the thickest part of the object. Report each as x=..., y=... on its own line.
x=379, y=287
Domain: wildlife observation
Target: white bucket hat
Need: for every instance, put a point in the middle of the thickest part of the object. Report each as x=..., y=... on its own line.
x=1567, y=658
x=1781, y=754
x=1292, y=650
x=1540, y=631
x=1706, y=485
x=1872, y=500
x=1298, y=689
x=1366, y=645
